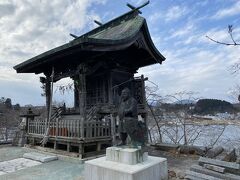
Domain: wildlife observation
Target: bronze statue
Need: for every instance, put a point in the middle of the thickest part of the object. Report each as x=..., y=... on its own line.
x=128, y=121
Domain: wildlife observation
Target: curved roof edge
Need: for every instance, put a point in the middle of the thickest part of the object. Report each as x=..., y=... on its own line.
x=117, y=34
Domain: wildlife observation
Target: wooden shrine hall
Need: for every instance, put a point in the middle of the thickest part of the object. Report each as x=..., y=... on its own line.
x=101, y=63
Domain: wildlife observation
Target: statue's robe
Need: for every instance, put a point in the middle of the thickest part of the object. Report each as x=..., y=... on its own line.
x=127, y=114
x=128, y=121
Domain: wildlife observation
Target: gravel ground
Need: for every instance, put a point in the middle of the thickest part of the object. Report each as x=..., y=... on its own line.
x=177, y=163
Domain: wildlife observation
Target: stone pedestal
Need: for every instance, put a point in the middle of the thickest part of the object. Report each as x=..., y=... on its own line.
x=126, y=155
x=126, y=164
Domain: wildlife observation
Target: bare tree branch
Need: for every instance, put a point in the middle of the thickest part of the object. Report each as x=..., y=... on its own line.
x=230, y=32
x=223, y=43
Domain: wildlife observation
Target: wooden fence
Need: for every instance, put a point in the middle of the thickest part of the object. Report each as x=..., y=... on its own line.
x=71, y=128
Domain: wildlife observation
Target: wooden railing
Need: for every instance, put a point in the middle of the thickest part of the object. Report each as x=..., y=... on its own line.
x=71, y=128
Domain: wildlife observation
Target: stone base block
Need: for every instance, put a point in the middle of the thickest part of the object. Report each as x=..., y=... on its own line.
x=154, y=168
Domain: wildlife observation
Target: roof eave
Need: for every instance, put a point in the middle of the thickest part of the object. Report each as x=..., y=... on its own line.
x=159, y=58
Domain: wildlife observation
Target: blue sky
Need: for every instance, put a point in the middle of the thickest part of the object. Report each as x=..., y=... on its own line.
x=178, y=29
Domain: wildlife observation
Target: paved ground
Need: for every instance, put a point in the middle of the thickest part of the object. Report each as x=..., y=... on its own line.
x=54, y=170
x=8, y=152
x=74, y=170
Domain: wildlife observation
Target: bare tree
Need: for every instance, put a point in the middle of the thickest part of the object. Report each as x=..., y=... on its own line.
x=172, y=121
x=153, y=99
x=9, y=119
x=181, y=129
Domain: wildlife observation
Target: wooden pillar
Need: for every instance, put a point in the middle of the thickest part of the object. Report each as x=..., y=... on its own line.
x=145, y=118
x=103, y=90
x=113, y=129
x=69, y=148
x=82, y=96
x=110, y=91
x=76, y=93
x=81, y=151
x=99, y=146
x=143, y=92
x=33, y=141
x=48, y=92
x=55, y=145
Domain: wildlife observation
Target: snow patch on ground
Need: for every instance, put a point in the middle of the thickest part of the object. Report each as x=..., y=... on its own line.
x=16, y=164
x=2, y=173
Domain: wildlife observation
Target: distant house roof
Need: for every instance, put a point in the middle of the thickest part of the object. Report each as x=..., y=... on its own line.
x=124, y=41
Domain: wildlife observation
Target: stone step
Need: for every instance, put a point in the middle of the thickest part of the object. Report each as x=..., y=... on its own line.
x=40, y=157
x=214, y=168
x=190, y=177
x=202, y=170
x=200, y=176
x=229, y=166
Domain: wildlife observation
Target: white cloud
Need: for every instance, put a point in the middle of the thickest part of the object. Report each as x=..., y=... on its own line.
x=175, y=13
x=193, y=62
x=186, y=30
x=137, y=2
x=226, y=12
x=29, y=28
x=197, y=68
x=153, y=18
x=6, y=9
x=172, y=14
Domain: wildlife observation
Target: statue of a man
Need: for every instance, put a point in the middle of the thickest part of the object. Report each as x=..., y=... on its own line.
x=128, y=120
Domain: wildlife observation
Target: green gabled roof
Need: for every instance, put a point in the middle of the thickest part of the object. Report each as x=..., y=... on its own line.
x=124, y=29
x=117, y=35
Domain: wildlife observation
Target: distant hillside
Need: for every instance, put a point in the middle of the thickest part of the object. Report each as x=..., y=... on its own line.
x=212, y=106
x=185, y=101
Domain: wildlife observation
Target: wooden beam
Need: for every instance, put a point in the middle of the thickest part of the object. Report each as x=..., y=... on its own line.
x=133, y=8
x=73, y=35
x=58, y=77
x=137, y=8
x=98, y=23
